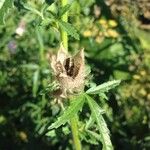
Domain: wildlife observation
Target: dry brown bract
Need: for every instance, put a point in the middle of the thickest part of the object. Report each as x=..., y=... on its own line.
x=69, y=71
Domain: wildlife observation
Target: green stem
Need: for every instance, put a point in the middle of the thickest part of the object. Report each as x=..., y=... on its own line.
x=74, y=128
x=74, y=120
x=64, y=36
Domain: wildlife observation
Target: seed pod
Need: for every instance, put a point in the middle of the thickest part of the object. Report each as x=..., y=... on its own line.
x=69, y=71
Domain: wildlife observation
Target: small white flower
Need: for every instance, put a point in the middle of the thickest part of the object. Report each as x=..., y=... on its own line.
x=21, y=28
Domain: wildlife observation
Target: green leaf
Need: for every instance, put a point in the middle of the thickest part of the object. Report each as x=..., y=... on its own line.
x=75, y=106
x=5, y=5
x=103, y=96
x=94, y=135
x=35, y=83
x=89, y=138
x=105, y=87
x=53, y=9
x=65, y=130
x=122, y=75
x=64, y=9
x=102, y=127
x=33, y=10
x=51, y=133
x=30, y=66
x=91, y=121
x=69, y=28
x=2, y=3
x=87, y=70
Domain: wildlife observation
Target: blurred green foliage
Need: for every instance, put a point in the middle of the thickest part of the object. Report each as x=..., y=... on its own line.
x=115, y=36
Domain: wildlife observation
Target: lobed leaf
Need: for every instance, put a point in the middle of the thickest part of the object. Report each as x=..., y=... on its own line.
x=102, y=127
x=89, y=138
x=69, y=28
x=94, y=135
x=105, y=87
x=33, y=10
x=91, y=121
x=64, y=9
x=75, y=106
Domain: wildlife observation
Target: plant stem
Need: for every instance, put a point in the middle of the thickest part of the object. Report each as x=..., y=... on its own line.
x=64, y=36
x=74, y=120
x=74, y=128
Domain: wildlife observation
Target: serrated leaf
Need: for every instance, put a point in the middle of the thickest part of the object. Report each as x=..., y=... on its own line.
x=5, y=5
x=105, y=87
x=94, y=135
x=75, y=106
x=64, y=9
x=51, y=133
x=101, y=124
x=33, y=10
x=91, y=121
x=53, y=9
x=103, y=96
x=66, y=130
x=90, y=139
x=69, y=28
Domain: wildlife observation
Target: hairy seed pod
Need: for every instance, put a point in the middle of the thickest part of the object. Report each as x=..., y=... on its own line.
x=69, y=71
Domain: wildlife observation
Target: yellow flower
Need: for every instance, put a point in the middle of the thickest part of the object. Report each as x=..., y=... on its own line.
x=148, y=96
x=143, y=72
x=87, y=33
x=23, y=136
x=99, y=39
x=143, y=92
x=136, y=77
x=112, y=23
x=112, y=33
x=103, y=23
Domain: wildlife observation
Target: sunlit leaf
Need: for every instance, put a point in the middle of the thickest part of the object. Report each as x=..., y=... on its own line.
x=105, y=87
x=103, y=96
x=94, y=135
x=75, y=106
x=69, y=28
x=101, y=124
x=64, y=9
x=51, y=133
x=91, y=120
x=2, y=3
x=33, y=10
x=5, y=5
x=89, y=138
